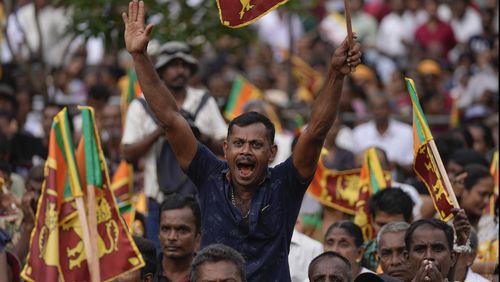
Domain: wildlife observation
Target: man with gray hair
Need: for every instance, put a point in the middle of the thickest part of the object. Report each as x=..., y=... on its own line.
x=392, y=250
x=218, y=262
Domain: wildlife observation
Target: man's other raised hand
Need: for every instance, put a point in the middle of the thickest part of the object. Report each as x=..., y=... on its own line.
x=136, y=32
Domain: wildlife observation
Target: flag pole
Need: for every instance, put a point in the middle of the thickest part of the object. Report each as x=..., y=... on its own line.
x=86, y=237
x=95, y=270
x=444, y=175
x=347, y=14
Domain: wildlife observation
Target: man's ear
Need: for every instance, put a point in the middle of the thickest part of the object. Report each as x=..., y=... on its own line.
x=224, y=147
x=453, y=258
x=274, y=150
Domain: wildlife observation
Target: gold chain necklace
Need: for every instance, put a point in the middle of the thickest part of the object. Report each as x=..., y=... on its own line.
x=233, y=201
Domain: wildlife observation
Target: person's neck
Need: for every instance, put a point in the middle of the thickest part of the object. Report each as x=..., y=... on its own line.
x=382, y=126
x=179, y=95
x=356, y=269
x=176, y=269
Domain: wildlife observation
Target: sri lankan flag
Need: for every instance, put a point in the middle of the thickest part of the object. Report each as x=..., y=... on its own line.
x=130, y=89
x=335, y=189
x=309, y=81
x=122, y=187
x=371, y=179
x=490, y=208
x=236, y=14
x=242, y=91
x=57, y=252
x=425, y=163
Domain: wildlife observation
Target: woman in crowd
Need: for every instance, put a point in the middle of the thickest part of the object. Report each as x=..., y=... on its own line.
x=346, y=238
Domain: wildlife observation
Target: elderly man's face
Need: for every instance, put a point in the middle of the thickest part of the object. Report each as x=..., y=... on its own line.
x=329, y=269
x=429, y=243
x=221, y=271
x=391, y=253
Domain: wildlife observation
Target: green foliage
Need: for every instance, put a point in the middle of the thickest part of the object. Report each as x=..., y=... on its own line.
x=174, y=19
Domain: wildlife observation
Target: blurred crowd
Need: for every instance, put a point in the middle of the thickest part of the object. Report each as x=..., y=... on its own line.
x=448, y=47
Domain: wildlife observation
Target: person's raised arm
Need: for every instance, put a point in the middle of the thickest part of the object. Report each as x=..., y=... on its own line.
x=306, y=152
x=159, y=98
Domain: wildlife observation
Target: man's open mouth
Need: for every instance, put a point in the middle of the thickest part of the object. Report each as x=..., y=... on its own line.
x=245, y=168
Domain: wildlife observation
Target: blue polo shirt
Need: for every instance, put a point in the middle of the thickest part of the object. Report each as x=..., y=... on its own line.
x=265, y=241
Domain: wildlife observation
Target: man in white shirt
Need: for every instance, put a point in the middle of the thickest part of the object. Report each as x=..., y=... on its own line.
x=394, y=137
x=303, y=250
x=142, y=137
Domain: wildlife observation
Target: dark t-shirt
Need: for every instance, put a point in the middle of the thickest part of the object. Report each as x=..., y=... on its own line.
x=264, y=241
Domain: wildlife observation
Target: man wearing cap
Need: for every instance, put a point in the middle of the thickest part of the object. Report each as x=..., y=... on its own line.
x=143, y=138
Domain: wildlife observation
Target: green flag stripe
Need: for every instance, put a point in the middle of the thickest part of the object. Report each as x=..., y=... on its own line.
x=132, y=79
x=373, y=179
x=92, y=166
x=235, y=93
x=417, y=112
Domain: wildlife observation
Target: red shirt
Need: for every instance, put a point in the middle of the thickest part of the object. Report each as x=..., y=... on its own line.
x=441, y=35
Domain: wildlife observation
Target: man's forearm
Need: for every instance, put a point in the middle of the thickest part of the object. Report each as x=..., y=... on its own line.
x=132, y=152
x=325, y=106
x=157, y=95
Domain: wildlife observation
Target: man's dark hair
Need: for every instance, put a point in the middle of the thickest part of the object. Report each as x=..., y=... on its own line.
x=331, y=254
x=251, y=118
x=349, y=227
x=436, y=224
x=475, y=172
x=176, y=201
x=148, y=252
x=99, y=92
x=466, y=156
x=391, y=201
x=216, y=253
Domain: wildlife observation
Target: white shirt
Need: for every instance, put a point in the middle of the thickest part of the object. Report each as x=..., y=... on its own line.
x=139, y=123
x=474, y=277
x=415, y=197
x=397, y=141
x=392, y=30
x=303, y=250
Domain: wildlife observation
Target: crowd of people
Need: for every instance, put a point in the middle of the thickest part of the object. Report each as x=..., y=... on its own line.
x=226, y=198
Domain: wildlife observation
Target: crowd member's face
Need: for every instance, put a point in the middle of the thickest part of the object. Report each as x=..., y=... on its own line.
x=340, y=241
x=221, y=271
x=479, y=144
x=176, y=74
x=429, y=243
x=392, y=257
x=178, y=235
x=380, y=110
x=248, y=151
x=111, y=122
x=329, y=269
x=382, y=218
x=474, y=200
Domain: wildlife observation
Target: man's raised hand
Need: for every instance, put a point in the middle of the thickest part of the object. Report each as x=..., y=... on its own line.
x=346, y=58
x=136, y=33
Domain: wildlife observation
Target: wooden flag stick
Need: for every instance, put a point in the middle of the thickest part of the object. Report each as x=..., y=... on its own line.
x=444, y=175
x=347, y=14
x=94, y=235
x=86, y=238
